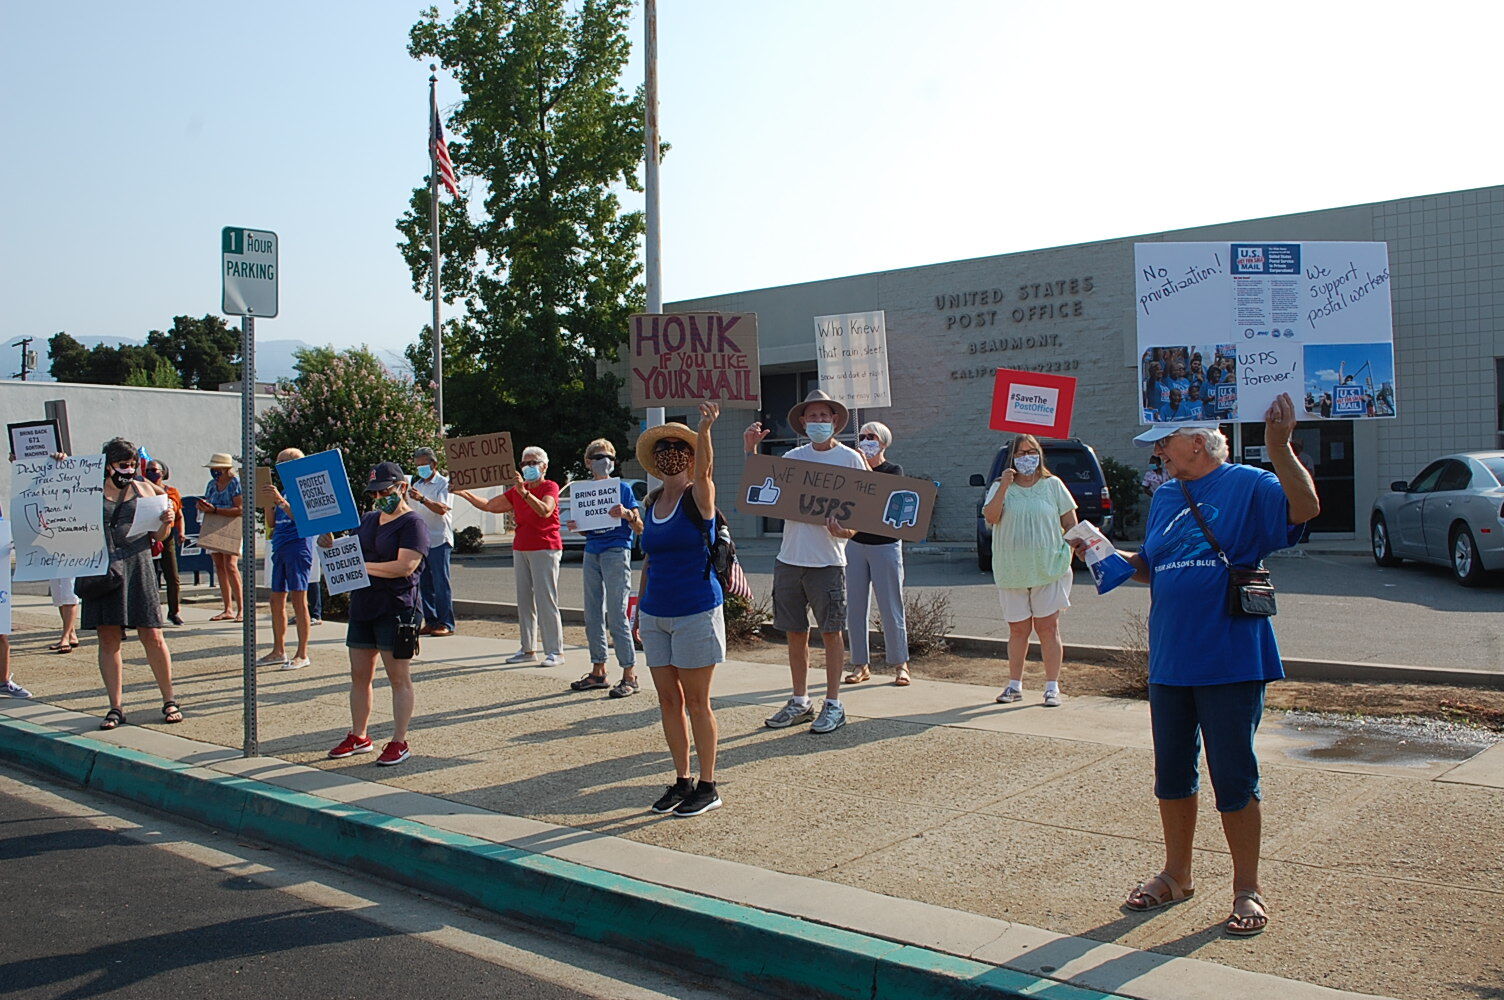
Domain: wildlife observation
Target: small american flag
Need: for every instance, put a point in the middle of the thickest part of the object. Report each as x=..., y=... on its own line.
x=439, y=150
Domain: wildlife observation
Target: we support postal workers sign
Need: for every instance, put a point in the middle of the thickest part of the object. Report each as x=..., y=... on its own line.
x=318, y=490
x=248, y=268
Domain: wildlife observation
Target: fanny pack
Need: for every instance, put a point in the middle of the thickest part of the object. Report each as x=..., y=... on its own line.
x=1250, y=592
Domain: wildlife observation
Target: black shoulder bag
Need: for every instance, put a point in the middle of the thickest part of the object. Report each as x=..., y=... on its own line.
x=92, y=588
x=1250, y=592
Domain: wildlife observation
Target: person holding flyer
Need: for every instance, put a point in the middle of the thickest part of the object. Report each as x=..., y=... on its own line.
x=608, y=582
x=1030, y=510
x=384, y=614
x=222, y=496
x=1211, y=650
x=292, y=563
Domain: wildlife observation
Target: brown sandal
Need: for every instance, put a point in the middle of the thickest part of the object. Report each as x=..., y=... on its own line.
x=1147, y=900
x=1247, y=924
x=901, y=678
x=858, y=675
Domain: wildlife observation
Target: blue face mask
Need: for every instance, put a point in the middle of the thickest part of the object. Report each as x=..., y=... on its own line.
x=1027, y=464
x=819, y=432
x=424, y=471
x=532, y=473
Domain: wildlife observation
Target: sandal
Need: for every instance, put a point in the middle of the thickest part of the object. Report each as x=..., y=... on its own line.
x=625, y=688
x=901, y=679
x=113, y=719
x=223, y=616
x=590, y=682
x=858, y=674
x=1141, y=900
x=169, y=709
x=1247, y=924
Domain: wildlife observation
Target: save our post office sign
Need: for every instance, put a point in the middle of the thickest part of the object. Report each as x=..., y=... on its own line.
x=1032, y=403
x=896, y=506
x=480, y=460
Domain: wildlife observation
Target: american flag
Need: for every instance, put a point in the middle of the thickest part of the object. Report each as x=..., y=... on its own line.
x=439, y=150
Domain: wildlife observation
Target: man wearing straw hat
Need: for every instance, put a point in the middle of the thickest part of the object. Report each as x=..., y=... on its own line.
x=810, y=574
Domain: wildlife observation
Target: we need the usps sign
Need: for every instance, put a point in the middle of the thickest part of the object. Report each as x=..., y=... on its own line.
x=1032, y=403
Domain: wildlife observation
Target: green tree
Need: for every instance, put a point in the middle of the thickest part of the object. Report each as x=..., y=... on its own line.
x=347, y=400
x=69, y=359
x=164, y=376
x=205, y=352
x=544, y=258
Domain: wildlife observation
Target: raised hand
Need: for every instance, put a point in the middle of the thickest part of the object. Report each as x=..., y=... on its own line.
x=708, y=413
x=753, y=435
x=1279, y=421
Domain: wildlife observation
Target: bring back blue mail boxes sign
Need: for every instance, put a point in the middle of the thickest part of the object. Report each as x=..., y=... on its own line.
x=318, y=490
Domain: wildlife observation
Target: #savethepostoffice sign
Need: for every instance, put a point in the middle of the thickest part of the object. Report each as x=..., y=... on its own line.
x=1032, y=403
x=896, y=506
x=685, y=358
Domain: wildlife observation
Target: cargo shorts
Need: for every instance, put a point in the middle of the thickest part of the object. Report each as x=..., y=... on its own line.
x=799, y=590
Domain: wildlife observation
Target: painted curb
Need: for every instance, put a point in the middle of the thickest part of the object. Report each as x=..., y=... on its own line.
x=732, y=941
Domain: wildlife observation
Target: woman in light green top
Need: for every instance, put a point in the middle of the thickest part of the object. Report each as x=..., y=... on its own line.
x=1030, y=510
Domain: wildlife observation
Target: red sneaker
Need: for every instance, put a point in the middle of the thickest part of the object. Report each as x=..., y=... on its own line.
x=393, y=753
x=350, y=746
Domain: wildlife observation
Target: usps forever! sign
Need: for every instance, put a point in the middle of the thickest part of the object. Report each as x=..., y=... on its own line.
x=1032, y=403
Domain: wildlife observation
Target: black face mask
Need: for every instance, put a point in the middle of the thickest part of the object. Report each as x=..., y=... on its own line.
x=122, y=479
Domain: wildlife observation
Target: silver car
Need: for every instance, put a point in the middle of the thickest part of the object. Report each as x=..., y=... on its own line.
x=1452, y=514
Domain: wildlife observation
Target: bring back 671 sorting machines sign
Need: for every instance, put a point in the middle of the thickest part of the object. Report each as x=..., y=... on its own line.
x=896, y=506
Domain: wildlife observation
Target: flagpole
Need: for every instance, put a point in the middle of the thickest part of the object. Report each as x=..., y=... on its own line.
x=433, y=214
x=652, y=270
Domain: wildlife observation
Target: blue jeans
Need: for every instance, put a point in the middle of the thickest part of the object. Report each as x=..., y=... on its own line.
x=608, y=582
x=1225, y=716
x=434, y=589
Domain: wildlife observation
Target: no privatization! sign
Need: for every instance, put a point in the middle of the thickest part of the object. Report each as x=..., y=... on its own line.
x=249, y=269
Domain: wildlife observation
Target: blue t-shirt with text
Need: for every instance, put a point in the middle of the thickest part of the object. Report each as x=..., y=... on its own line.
x=619, y=537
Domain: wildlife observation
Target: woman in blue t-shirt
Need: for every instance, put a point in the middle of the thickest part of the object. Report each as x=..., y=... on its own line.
x=1207, y=668
x=679, y=615
x=607, y=572
x=222, y=497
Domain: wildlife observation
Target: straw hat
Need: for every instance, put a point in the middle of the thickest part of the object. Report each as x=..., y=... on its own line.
x=796, y=415
x=653, y=435
x=220, y=460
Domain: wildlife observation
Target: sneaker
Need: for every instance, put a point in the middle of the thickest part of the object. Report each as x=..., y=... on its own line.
x=297, y=664
x=350, y=746
x=832, y=717
x=703, y=799
x=789, y=714
x=624, y=689
x=1052, y=699
x=553, y=660
x=271, y=658
x=175, y=619
x=676, y=793
x=1010, y=695
x=313, y=621
x=393, y=753
x=522, y=656
x=14, y=690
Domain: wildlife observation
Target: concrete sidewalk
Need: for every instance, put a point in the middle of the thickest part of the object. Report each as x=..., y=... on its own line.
x=1001, y=836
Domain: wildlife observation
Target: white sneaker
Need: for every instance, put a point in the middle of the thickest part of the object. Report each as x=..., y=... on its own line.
x=522, y=656
x=14, y=690
x=553, y=660
x=1010, y=695
x=271, y=658
x=297, y=664
x=1052, y=699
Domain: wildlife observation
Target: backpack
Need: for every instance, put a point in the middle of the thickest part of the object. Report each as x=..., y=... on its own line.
x=720, y=548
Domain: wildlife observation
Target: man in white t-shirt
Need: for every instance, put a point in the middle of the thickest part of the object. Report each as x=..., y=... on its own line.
x=810, y=574
x=431, y=500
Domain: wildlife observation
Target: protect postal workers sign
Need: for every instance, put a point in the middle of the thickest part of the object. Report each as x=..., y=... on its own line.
x=896, y=506
x=1032, y=403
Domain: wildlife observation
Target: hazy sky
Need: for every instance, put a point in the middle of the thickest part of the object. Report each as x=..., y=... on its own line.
x=811, y=139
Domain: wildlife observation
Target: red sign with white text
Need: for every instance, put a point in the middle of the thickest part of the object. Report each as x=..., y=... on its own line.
x=1032, y=403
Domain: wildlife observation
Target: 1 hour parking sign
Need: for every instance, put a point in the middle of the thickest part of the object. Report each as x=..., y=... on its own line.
x=249, y=269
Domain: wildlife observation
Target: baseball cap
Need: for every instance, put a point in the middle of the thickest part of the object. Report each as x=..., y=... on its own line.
x=385, y=476
x=1158, y=432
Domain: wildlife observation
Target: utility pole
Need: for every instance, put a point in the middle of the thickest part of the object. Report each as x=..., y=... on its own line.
x=28, y=358
x=653, y=273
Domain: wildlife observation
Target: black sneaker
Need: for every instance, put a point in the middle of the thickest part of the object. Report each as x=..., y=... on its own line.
x=702, y=800
x=677, y=792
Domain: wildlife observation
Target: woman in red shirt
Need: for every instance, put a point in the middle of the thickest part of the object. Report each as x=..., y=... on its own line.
x=533, y=500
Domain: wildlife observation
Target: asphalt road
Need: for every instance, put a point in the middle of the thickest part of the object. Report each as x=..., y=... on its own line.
x=1331, y=607
x=103, y=901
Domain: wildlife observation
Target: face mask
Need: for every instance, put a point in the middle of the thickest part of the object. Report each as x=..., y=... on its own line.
x=424, y=471
x=673, y=462
x=869, y=448
x=819, y=433
x=388, y=504
x=154, y=476
x=532, y=473
x=1027, y=464
x=121, y=479
x=602, y=466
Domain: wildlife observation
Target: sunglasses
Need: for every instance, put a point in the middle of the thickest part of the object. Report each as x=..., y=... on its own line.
x=662, y=446
x=600, y=455
x=530, y=461
x=868, y=437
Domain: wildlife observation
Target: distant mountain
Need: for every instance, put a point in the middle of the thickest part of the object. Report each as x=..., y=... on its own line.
x=274, y=358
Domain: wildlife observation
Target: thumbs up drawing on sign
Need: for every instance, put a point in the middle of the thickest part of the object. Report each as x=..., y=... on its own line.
x=766, y=494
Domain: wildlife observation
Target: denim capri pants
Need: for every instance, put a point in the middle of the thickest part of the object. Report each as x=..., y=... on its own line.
x=1224, y=715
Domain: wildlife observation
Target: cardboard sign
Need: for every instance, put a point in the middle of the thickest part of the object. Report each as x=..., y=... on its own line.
x=57, y=510
x=34, y=439
x=683, y=358
x=220, y=533
x=264, y=498
x=589, y=502
x=480, y=460
x=318, y=491
x=343, y=565
x=896, y=506
x=852, y=350
x=1032, y=403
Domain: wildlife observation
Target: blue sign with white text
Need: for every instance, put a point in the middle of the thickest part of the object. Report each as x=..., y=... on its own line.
x=1265, y=258
x=318, y=490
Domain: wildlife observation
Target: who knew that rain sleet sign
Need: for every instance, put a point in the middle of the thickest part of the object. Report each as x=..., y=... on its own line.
x=249, y=270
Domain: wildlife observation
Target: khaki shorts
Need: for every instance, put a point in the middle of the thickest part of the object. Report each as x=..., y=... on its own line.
x=798, y=590
x=1021, y=604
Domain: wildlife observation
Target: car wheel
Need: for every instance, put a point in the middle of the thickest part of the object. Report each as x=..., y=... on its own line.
x=1383, y=549
x=1466, y=566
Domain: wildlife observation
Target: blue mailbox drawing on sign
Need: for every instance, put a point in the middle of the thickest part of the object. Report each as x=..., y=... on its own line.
x=902, y=509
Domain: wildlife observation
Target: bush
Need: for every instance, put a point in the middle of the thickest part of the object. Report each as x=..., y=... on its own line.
x=1125, y=482
x=467, y=541
x=1132, y=660
x=929, y=621
x=336, y=607
x=745, y=619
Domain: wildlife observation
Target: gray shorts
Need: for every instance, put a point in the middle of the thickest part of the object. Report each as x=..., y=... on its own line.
x=687, y=641
x=798, y=590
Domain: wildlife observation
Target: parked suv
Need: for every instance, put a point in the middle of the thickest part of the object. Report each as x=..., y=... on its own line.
x=1074, y=461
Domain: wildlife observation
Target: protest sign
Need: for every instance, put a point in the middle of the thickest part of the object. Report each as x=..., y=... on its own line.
x=148, y=516
x=479, y=461
x=318, y=491
x=5, y=549
x=684, y=358
x=343, y=565
x=589, y=501
x=264, y=487
x=852, y=351
x=34, y=439
x=1291, y=317
x=219, y=533
x=57, y=510
x=1032, y=403
x=896, y=506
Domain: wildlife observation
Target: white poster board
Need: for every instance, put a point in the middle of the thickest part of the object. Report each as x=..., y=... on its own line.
x=590, y=501
x=1240, y=323
x=852, y=350
x=57, y=517
x=343, y=565
x=5, y=549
